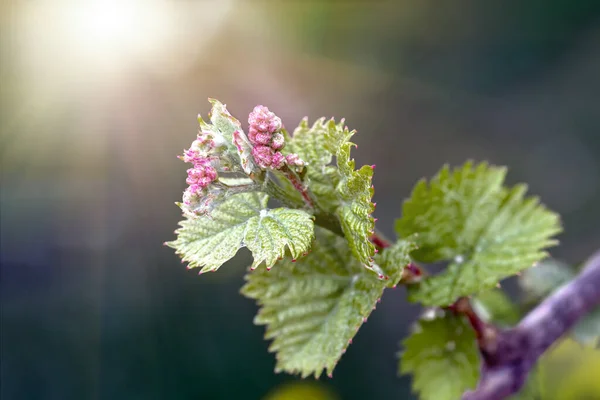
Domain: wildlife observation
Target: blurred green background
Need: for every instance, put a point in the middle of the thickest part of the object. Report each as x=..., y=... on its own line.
x=98, y=97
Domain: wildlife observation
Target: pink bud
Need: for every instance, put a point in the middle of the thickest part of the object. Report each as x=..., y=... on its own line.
x=278, y=141
x=201, y=175
x=278, y=160
x=263, y=155
x=293, y=159
x=262, y=138
x=262, y=121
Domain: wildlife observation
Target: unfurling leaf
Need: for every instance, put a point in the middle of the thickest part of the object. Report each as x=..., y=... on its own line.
x=222, y=120
x=442, y=357
x=243, y=220
x=344, y=191
x=314, y=307
x=354, y=193
x=322, y=178
x=486, y=231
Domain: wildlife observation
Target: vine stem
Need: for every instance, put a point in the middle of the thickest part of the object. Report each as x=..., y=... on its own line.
x=484, y=332
x=509, y=355
x=299, y=186
x=379, y=241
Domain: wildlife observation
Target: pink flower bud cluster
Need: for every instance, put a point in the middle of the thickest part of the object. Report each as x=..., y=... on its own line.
x=203, y=154
x=201, y=175
x=267, y=140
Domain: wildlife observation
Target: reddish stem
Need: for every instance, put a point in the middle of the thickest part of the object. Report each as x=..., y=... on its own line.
x=412, y=273
x=299, y=186
x=484, y=332
x=379, y=242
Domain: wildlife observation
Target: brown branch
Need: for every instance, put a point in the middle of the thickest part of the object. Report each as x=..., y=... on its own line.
x=510, y=354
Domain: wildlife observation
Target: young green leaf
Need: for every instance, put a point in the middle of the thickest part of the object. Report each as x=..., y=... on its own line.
x=442, y=357
x=243, y=220
x=322, y=178
x=314, y=307
x=354, y=192
x=222, y=120
x=486, y=231
x=343, y=190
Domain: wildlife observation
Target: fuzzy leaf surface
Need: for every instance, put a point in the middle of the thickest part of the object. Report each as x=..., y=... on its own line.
x=243, y=220
x=222, y=120
x=442, y=357
x=323, y=178
x=354, y=192
x=343, y=190
x=486, y=231
x=314, y=307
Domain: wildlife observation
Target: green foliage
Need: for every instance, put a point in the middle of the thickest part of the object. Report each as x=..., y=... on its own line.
x=243, y=220
x=322, y=178
x=486, y=231
x=344, y=191
x=221, y=120
x=314, y=307
x=442, y=357
x=354, y=193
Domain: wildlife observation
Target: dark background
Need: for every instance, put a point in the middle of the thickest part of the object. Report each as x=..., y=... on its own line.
x=93, y=307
